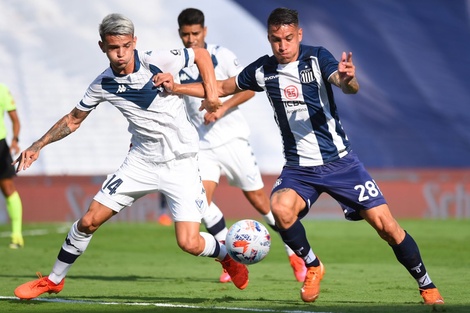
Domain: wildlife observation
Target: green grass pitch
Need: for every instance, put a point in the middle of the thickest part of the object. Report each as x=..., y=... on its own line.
x=137, y=267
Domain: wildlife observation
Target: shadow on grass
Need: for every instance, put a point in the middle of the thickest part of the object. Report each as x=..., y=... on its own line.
x=110, y=300
x=217, y=305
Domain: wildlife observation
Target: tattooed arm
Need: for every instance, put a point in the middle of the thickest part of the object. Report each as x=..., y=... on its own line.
x=64, y=127
x=345, y=77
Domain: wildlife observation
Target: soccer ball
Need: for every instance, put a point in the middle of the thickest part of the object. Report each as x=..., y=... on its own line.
x=248, y=241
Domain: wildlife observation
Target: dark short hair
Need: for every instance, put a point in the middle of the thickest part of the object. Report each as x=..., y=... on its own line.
x=283, y=16
x=191, y=16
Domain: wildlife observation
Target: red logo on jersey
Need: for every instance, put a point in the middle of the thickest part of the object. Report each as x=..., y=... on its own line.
x=291, y=92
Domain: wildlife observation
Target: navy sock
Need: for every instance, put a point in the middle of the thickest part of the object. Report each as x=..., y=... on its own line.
x=274, y=227
x=296, y=238
x=407, y=253
x=218, y=227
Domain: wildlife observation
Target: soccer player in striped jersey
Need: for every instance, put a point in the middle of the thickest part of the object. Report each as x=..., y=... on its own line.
x=299, y=80
x=162, y=156
x=223, y=137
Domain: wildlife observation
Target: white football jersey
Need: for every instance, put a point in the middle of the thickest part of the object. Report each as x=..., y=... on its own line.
x=158, y=121
x=232, y=124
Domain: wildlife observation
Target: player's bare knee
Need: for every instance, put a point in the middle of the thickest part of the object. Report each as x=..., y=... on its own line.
x=189, y=248
x=86, y=225
x=391, y=232
x=284, y=218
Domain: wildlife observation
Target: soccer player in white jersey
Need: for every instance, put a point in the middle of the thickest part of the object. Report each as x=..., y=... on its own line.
x=223, y=137
x=298, y=81
x=162, y=157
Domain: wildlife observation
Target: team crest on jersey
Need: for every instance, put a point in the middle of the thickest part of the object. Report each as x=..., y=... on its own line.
x=291, y=92
x=306, y=76
x=199, y=203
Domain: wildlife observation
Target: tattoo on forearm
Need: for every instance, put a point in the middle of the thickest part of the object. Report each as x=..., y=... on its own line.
x=335, y=80
x=62, y=130
x=57, y=132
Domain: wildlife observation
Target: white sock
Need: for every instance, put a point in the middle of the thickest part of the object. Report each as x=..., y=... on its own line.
x=310, y=257
x=59, y=271
x=212, y=216
x=75, y=243
x=424, y=281
x=211, y=245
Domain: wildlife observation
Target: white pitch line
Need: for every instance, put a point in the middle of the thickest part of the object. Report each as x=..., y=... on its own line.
x=164, y=305
x=38, y=232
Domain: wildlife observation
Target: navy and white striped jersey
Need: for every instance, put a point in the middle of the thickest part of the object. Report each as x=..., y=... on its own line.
x=157, y=120
x=303, y=104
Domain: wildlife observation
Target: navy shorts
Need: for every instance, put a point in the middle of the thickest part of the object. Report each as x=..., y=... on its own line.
x=346, y=180
x=6, y=169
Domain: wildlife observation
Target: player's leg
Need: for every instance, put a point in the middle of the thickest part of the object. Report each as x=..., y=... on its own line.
x=242, y=171
x=15, y=211
x=214, y=221
x=213, y=218
x=366, y=201
x=110, y=199
x=210, y=170
x=75, y=244
x=12, y=198
x=260, y=201
x=187, y=201
x=405, y=248
x=286, y=206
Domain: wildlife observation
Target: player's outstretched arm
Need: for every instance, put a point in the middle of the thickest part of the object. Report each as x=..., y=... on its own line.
x=232, y=102
x=345, y=77
x=203, y=61
x=65, y=126
x=166, y=80
x=224, y=87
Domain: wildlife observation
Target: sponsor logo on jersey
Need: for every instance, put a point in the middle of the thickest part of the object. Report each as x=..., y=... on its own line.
x=121, y=89
x=176, y=52
x=294, y=106
x=292, y=103
x=271, y=77
x=184, y=76
x=291, y=92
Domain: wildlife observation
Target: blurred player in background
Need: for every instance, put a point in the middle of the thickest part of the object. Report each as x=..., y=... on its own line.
x=162, y=156
x=298, y=81
x=223, y=137
x=7, y=170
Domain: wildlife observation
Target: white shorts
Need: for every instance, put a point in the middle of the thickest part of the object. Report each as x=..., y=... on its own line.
x=178, y=179
x=236, y=160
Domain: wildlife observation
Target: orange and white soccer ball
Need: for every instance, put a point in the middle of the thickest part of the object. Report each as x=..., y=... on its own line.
x=248, y=241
